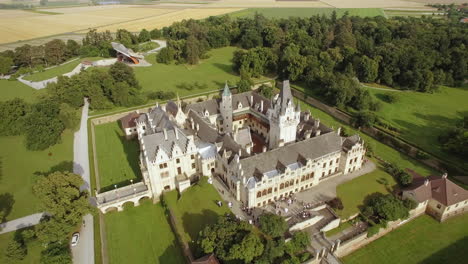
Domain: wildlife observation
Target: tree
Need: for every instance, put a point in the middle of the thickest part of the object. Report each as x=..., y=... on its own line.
x=15, y=251
x=165, y=55
x=69, y=116
x=5, y=65
x=55, y=51
x=121, y=72
x=368, y=69
x=266, y=91
x=364, y=119
x=192, y=50
x=56, y=253
x=60, y=195
x=155, y=33
x=383, y=208
x=144, y=36
x=336, y=203
x=273, y=225
x=12, y=116
x=244, y=85
x=72, y=49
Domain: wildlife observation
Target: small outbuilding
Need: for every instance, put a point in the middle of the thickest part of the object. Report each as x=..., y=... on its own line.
x=125, y=54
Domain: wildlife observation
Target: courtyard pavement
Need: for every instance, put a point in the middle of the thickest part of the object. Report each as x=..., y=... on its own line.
x=83, y=253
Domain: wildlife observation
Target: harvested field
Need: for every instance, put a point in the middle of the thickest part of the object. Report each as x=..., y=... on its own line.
x=169, y=18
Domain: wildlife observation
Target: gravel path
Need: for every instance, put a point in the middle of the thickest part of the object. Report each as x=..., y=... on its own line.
x=19, y=223
x=83, y=253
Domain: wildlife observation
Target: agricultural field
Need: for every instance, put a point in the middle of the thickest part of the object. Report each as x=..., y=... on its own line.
x=422, y=240
x=141, y=234
x=117, y=157
x=109, y=17
x=307, y=12
x=19, y=167
x=422, y=117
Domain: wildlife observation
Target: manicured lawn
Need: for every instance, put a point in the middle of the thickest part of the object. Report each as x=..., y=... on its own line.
x=308, y=12
x=210, y=74
x=141, y=235
x=19, y=165
x=422, y=117
x=12, y=89
x=34, y=250
x=59, y=70
x=423, y=240
x=118, y=158
x=354, y=192
x=195, y=209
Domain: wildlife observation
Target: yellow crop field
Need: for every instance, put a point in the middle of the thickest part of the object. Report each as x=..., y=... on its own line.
x=169, y=18
x=17, y=25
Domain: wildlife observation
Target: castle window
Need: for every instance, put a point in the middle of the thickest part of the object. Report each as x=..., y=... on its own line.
x=270, y=190
x=193, y=165
x=323, y=174
x=178, y=160
x=264, y=192
x=350, y=161
x=324, y=164
x=331, y=162
x=192, y=156
x=163, y=165
x=259, y=194
x=281, y=186
x=337, y=160
x=336, y=169
x=329, y=172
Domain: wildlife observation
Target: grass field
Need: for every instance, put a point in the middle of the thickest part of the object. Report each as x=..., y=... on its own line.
x=141, y=235
x=195, y=209
x=423, y=240
x=342, y=227
x=422, y=117
x=12, y=89
x=354, y=192
x=19, y=165
x=308, y=12
x=34, y=250
x=117, y=157
x=57, y=71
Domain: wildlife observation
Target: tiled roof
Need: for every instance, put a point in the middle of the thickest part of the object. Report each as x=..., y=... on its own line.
x=129, y=120
x=438, y=188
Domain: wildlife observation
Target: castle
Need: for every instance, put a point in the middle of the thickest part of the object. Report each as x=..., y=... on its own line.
x=261, y=149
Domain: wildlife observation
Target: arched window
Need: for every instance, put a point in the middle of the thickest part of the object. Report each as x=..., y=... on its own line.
x=287, y=185
x=264, y=192
x=291, y=183
x=259, y=194
x=281, y=186
x=270, y=190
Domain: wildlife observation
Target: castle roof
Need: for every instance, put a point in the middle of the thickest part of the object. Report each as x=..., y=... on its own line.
x=158, y=140
x=128, y=121
x=226, y=91
x=273, y=162
x=285, y=96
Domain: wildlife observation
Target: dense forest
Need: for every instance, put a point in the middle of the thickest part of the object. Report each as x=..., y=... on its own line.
x=330, y=54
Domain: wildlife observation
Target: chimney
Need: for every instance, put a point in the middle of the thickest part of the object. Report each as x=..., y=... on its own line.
x=261, y=106
x=176, y=131
x=317, y=133
x=239, y=152
x=198, y=126
x=192, y=123
x=308, y=134
x=264, y=149
x=426, y=182
x=307, y=115
x=251, y=101
x=165, y=134
x=338, y=131
x=444, y=176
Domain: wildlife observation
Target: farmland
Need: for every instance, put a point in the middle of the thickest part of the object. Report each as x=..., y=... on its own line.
x=307, y=12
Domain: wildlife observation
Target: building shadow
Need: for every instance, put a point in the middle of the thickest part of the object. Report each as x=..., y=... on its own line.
x=172, y=254
x=194, y=223
x=131, y=147
x=455, y=253
x=227, y=68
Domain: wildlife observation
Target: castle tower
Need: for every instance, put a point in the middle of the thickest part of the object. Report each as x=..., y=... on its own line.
x=226, y=110
x=283, y=118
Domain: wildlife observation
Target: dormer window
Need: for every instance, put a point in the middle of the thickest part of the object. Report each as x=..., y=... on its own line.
x=207, y=113
x=239, y=105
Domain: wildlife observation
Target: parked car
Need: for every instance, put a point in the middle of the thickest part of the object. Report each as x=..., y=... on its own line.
x=75, y=239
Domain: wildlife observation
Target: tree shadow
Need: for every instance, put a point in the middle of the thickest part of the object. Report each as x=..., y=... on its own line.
x=172, y=254
x=61, y=167
x=227, y=68
x=6, y=205
x=194, y=223
x=455, y=253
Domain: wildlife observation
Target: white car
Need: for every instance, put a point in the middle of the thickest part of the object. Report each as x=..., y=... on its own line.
x=75, y=239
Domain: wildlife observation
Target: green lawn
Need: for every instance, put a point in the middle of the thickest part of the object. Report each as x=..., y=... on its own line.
x=308, y=12
x=422, y=117
x=12, y=89
x=423, y=240
x=118, y=158
x=18, y=166
x=195, y=209
x=354, y=192
x=141, y=235
x=34, y=250
x=210, y=74
x=385, y=152
x=57, y=71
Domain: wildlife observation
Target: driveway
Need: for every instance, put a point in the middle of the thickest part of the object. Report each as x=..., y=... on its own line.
x=19, y=223
x=83, y=253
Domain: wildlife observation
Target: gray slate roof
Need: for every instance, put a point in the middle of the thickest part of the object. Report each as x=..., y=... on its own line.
x=290, y=155
x=154, y=141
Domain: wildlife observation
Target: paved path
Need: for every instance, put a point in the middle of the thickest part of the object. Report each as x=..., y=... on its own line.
x=19, y=223
x=161, y=43
x=83, y=253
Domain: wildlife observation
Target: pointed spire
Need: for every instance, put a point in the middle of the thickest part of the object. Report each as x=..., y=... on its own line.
x=226, y=91
x=179, y=104
x=285, y=96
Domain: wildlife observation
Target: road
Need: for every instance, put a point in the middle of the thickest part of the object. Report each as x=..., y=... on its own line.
x=19, y=223
x=83, y=253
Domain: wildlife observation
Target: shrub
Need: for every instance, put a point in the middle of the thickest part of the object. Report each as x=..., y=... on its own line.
x=391, y=98
x=336, y=203
x=371, y=231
